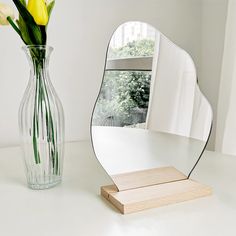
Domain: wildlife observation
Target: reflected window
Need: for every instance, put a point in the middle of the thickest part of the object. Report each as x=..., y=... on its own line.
x=125, y=92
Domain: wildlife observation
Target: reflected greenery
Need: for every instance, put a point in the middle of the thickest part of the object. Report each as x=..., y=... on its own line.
x=124, y=95
x=138, y=48
x=123, y=99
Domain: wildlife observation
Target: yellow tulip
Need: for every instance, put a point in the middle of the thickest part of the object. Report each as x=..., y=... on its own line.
x=38, y=9
x=5, y=11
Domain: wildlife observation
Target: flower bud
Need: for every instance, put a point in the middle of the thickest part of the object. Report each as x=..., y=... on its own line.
x=5, y=11
x=38, y=9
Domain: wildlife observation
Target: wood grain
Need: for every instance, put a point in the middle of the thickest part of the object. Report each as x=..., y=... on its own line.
x=148, y=177
x=134, y=200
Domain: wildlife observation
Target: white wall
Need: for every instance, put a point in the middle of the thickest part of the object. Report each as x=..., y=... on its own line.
x=226, y=125
x=80, y=31
x=214, y=13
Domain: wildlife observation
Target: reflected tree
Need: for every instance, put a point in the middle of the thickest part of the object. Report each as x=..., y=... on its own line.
x=124, y=95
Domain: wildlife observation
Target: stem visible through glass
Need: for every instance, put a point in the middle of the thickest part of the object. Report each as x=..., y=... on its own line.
x=41, y=104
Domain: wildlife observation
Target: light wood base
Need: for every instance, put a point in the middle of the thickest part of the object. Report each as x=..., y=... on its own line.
x=142, y=178
x=138, y=199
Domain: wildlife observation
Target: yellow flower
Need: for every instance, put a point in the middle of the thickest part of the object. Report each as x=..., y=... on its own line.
x=5, y=11
x=38, y=9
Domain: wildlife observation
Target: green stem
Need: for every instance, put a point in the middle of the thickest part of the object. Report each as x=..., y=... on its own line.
x=9, y=19
x=35, y=124
x=50, y=130
x=43, y=97
x=42, y=109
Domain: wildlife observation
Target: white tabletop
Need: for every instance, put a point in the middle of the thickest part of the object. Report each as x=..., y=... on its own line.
x=75, y=208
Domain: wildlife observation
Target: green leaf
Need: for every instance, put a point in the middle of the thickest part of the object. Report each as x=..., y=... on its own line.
x=44, y=34
x=33, y=29
x=50, y=8
x=23, y=2
x=23, y=28
x=24, y=32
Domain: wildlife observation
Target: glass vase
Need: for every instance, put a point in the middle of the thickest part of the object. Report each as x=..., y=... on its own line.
x=41, y=123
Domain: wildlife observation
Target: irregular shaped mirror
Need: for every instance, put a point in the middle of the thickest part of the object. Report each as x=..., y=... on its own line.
x=150, y=113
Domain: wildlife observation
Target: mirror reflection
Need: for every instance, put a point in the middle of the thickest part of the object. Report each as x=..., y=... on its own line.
x=124, y=96
x=150, y=112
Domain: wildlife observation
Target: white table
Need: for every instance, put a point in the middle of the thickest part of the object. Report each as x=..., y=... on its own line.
x=76, y=209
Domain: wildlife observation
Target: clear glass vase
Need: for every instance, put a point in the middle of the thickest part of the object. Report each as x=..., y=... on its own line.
x=41, y=123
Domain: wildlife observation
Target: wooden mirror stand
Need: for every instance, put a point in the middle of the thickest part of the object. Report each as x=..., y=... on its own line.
x=152, y=188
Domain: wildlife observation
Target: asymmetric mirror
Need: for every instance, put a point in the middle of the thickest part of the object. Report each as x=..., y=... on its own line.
x=150, y=112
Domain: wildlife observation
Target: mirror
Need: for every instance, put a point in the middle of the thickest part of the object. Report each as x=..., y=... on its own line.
x=150, y=113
